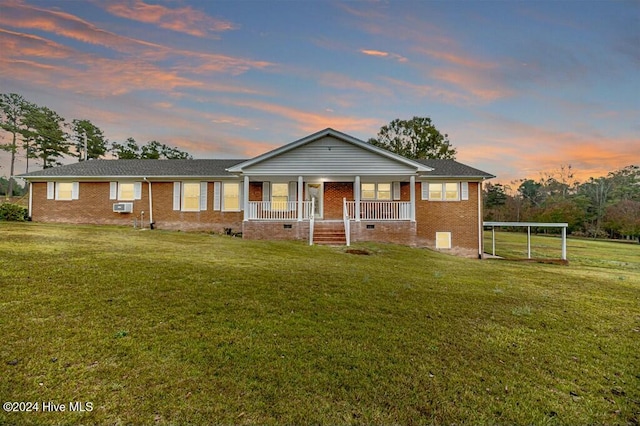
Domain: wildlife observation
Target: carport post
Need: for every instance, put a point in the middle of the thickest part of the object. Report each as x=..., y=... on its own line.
x=564, y=243
x=493, y=239
x=528, y=242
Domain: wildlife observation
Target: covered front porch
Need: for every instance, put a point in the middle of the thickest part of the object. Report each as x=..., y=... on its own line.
x=345, y=198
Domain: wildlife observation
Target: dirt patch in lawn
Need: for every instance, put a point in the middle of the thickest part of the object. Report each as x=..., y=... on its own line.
x=358, y=251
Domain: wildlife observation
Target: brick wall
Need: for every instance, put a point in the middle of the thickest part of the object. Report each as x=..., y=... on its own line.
x=334, y=193
x=93, y=206
x=458, y=217
x=207, y=220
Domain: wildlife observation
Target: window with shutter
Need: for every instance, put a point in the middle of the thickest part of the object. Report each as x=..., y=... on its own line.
x=231, y=192
x=191, y=196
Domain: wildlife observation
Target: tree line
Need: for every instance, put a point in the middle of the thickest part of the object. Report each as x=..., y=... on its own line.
x=607, y=206
x=603, y=207
x=41, y=134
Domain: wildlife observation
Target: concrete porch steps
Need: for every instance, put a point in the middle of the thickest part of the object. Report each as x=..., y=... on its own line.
x=329, y=233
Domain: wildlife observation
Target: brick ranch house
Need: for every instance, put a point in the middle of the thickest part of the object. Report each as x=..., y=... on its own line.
x=323, y=186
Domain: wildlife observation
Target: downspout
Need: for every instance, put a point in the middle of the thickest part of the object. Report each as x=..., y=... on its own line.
x=480, y=227
x=30, y=199
x=150, y=204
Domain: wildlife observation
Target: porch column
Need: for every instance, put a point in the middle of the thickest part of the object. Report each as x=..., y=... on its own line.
x=412, y=198
x=300, y=198
x=356, y=196
x=245, y=198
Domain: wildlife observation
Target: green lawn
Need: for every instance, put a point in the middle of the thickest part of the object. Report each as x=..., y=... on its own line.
x=156, y=327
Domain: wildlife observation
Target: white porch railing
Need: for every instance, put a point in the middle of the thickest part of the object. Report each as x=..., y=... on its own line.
x=278, y=210
x=379, y=210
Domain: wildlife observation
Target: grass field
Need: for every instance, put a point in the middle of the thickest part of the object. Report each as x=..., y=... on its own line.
x=155, y=327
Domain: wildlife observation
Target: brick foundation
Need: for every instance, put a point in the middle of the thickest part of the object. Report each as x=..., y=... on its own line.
x=275, y=230
x=399, y=232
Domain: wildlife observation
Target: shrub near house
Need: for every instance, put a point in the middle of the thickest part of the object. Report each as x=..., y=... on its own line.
x=13, y=212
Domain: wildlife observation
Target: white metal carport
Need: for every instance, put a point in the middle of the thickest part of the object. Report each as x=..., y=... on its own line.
x=529, y=225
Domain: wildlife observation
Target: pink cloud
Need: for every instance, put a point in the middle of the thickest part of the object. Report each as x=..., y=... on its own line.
x=466, y=78
x=460, y=70
x=19, y=15
x=462, y=60
x=184, y=19
x=530, y=150
x=383, y=54
x=480, y=86
x=71, y=70
x=31, y=45
x=374, y=52
x=430, y=91
x=343, y=82
x=311, y=122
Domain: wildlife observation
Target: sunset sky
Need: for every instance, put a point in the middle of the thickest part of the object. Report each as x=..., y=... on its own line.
x=520, y=87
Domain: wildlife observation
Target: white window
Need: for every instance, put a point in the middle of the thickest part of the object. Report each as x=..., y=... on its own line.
x=451, y=191
x=435, y=191
x=368, y=191
x=227, y=196
x=63, y=191
x=444, y=191
x=375, y=191
x=384, y=191
x=279, y=196
x=443, y=240
x=231, y=196
x=190, y=196
x=125, y=191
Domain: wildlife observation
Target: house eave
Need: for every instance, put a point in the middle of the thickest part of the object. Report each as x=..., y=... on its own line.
x=161, y=178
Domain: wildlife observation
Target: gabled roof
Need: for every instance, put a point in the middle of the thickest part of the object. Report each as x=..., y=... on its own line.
x=451, y=168
x=338, y=135
x=138, y=168
x=221, y=168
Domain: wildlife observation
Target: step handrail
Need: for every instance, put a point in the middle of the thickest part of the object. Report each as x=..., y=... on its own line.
x=312, y=220
x=347, y=225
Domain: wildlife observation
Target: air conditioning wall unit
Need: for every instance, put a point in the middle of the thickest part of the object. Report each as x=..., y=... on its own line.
x=123, y=207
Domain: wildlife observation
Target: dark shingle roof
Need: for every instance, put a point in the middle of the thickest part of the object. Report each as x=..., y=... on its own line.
x=139, y=168
x=451, y=168
x=207, y=168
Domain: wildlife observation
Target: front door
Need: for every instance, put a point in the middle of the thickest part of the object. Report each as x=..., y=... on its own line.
x=314, y=192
